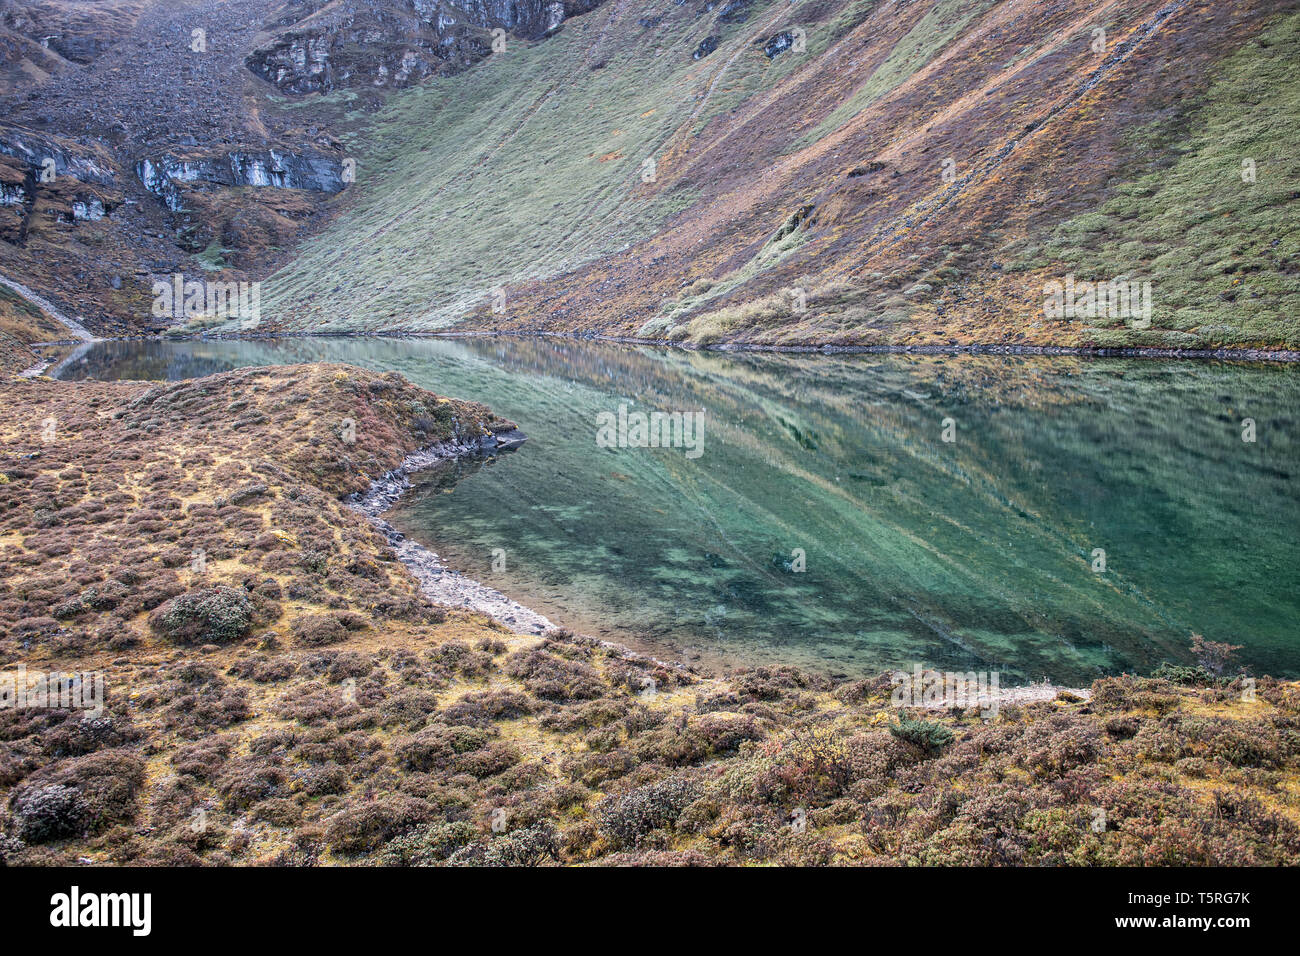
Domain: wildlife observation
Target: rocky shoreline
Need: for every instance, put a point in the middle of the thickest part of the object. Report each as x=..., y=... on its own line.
x=452, y=588
x=439, y=582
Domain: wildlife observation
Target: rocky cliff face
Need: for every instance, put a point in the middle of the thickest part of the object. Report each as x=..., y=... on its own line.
x=133, y=138
x=138, y=138
x=57, y=157
x=76, y=30
x=170, y=177
x=314, y=47
x=42, y=174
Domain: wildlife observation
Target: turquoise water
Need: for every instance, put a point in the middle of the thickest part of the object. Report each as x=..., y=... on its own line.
x=975, y=553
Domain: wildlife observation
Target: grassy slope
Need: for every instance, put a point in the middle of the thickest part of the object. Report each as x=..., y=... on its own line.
x=525, y=173
x=529, y=164
x=1223, y=255
x=941, y=24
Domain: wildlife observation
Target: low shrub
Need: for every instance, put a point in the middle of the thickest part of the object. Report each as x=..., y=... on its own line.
x=926, y=735
x=318, y=630
x=368, y=825
x=427, y=845
x=49, y=813
x=531, y=846
x=438, y=747
x=628, y=818
x=207, y=616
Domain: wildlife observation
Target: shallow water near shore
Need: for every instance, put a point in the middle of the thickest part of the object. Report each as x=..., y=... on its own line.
x=979, y=553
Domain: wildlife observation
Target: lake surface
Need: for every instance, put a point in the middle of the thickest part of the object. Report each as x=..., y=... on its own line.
x=979, y=553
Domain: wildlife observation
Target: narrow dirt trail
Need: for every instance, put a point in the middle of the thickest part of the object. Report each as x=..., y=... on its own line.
x=77, y=330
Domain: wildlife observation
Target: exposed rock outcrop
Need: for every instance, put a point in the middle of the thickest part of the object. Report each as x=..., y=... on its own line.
x=165, y=176
x=40, y=39
x=315, y=47
x=163, y=81
x=76, y=32
x=68, y=183
x=707, y=46
x=59, y=158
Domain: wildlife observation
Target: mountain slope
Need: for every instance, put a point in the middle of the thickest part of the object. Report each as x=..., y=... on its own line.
x=142, y=139
x=823, y=172
x=833, y=172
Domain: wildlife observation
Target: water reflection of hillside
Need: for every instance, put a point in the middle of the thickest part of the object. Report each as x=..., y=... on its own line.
x=974, y=552
x=160, y=359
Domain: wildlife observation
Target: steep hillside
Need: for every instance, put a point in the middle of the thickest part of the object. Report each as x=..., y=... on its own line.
x=146, y=155
x=835, y=172
x=39, y=39
x=141, y=139
x=918, y=172
x=21, y=325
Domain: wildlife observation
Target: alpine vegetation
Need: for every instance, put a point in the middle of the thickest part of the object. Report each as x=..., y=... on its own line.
x=356, y=364
x=1128, y=299
x=935, y=690
x=82, y=691
x=184, y=301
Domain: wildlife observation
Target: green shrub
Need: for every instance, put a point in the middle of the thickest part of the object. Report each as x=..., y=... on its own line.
x=926, y=735
x=369, y=825
x=208, y=616
x=532, y=846
x=1184, y=675
x=427, y=845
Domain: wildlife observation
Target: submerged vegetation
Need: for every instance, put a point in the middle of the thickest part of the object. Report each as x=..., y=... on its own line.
x=292, y=697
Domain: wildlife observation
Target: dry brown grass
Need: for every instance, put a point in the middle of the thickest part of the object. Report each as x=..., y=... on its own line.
x=338, y=717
